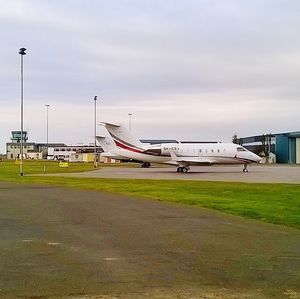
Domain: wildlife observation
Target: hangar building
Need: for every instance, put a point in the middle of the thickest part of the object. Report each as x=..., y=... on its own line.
x=285, y=146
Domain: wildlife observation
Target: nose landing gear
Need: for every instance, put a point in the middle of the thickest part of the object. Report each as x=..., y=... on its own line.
x=245, y=168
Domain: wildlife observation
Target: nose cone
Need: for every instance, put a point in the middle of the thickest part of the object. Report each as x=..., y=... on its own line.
x=250, y=156
x=256, y=158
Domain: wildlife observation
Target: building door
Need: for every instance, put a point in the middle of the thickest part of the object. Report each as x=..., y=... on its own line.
x=298, y=150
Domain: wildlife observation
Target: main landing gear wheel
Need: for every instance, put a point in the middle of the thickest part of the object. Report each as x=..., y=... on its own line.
x=182, y=169
x=145, y=165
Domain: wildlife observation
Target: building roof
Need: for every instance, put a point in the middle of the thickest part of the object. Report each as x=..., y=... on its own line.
x=51, y=144
x=290, y=134
x=158, y=141
x=260, y=138
x=19, y=143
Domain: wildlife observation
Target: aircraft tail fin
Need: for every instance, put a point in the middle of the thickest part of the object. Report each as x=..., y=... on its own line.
x=122, y=137
x=106, y=142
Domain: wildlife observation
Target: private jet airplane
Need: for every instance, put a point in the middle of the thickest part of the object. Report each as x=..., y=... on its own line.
x=181, y=154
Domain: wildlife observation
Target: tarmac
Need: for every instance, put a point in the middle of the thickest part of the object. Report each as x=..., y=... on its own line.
x=257, y=173
x=67, y=243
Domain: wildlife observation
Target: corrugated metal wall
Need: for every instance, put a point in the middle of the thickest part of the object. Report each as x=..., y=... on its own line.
x=282, y=149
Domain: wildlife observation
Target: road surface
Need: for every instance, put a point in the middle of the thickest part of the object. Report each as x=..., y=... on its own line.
x=59, y=242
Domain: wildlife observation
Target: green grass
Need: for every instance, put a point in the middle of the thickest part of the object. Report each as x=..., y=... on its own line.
x=275, y=203
x=10, y=170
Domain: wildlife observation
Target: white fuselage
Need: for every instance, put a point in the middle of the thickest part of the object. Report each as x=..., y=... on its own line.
x=190, y=154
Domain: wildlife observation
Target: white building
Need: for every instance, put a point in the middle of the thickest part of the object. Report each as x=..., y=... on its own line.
x=73, y=153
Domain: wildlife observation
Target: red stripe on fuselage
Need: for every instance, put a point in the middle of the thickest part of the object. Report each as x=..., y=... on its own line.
x=127, y=147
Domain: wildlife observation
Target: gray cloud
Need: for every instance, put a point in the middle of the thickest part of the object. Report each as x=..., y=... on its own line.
x=179, y=64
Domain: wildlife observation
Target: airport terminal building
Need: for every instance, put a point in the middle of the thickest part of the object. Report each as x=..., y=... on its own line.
x=285, y=146
x=31, y=150
x=50, y=151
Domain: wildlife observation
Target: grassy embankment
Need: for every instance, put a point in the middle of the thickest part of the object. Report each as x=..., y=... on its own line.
x=275, y=203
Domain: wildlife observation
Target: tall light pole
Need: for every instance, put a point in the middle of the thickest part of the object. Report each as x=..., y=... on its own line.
x=130, y=114
x=95, y=130
x=47, y=112
x=22, y=53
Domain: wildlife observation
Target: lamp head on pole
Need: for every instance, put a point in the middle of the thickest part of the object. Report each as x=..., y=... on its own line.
x=95, y=98
x=22, y=51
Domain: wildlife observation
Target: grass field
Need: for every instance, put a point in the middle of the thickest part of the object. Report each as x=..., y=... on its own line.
x=275, y=203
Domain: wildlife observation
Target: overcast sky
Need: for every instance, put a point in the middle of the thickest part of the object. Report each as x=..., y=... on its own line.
x=193, y=69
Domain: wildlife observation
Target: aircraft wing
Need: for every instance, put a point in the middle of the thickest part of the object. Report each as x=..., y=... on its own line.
x=190, y=160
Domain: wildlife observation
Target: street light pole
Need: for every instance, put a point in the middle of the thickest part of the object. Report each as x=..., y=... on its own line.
x=130, y=114
x=47, y=111
x=22, y=53
x=95, y=131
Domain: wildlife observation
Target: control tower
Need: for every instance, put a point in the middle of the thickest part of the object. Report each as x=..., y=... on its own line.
x=16, y=136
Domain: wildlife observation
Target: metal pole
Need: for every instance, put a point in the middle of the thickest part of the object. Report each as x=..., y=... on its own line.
x=130, y=121
x=47, y=112
x=95, y=131
x=22, y=53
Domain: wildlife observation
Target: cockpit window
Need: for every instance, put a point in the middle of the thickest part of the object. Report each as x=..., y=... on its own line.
x=241, y=149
